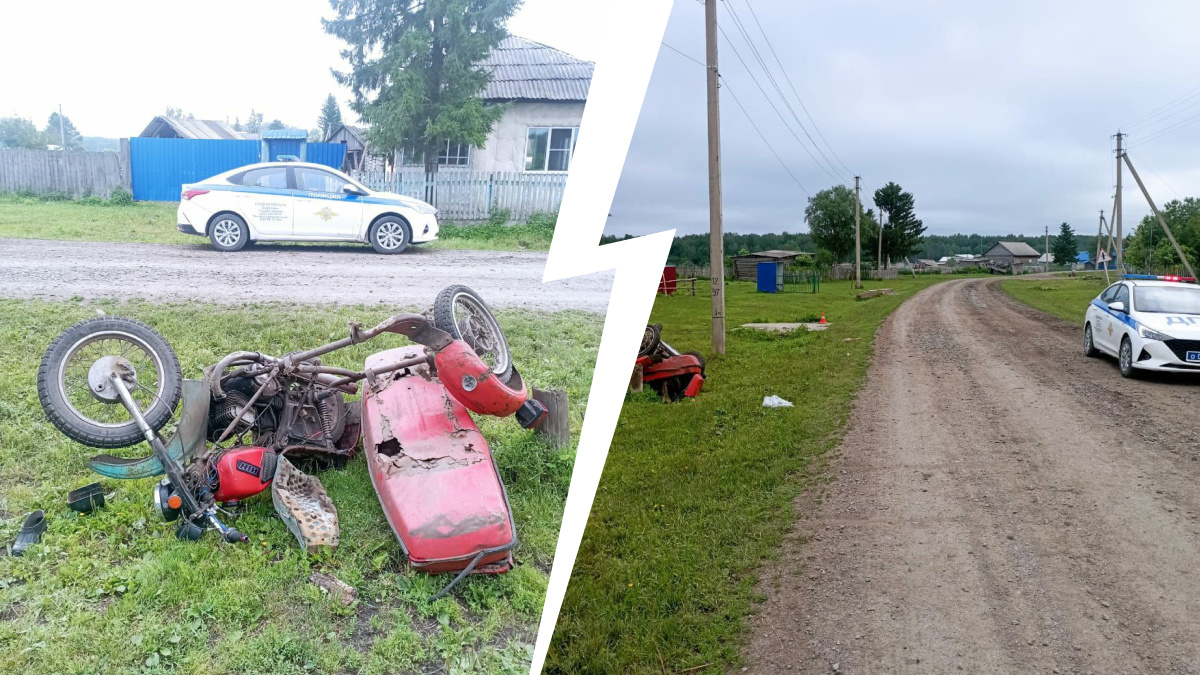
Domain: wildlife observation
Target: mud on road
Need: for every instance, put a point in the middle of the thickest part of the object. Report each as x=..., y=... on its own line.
x=59, y=270
x=1000, y=504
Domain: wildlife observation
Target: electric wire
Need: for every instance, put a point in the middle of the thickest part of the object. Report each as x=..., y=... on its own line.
x=748, y=117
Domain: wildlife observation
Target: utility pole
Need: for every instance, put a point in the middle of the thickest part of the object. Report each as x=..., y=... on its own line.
x=716, y=240
x=1100, y=245
x=62, y=134
x=857, y=234
x=1048, y=258
x=1153, y=207
x=879, y=255
x=1119, y=208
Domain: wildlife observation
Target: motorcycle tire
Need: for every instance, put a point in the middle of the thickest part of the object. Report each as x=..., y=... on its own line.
x=77, y=426
x=651, y=340
x=444, y=318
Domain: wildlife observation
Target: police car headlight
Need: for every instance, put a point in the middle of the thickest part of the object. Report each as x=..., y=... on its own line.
x=1153, y=334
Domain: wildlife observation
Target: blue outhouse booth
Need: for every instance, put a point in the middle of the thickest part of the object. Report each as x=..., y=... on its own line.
x=770, y=277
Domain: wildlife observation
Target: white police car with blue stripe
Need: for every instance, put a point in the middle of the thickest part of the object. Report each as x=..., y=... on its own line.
x=1148, y=322
x=299, y=201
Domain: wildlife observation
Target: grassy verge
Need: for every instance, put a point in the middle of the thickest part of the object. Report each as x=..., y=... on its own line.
x=115, y=592
x=1067, y=298
x=696, y=494
x=154, y=223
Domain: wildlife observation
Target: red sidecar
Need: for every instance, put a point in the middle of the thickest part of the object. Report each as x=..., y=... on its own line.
x=431, y=467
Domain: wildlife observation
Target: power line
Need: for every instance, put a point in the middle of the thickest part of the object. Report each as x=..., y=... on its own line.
x=741, y=28
x=1161, y=109
x=783, y=119
x=1169, y=130
x=792, y=86
x=748, y=118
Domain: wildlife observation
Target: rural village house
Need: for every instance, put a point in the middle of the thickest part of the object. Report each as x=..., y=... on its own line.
x=180, y=127
x=1015, y=254
x=545, y=90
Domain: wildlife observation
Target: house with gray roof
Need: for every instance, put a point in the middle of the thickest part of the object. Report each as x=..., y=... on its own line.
x=181, y=127
x=1011, y=255
x=544, y=91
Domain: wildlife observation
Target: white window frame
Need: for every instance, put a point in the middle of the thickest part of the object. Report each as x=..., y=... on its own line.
x=549, y=135
x=407, y=160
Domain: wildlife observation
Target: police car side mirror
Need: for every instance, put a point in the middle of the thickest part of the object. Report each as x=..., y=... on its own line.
x=1118, y=307
x=351, y=190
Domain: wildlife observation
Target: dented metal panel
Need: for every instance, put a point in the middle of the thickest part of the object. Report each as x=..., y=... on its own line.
x=433, y=470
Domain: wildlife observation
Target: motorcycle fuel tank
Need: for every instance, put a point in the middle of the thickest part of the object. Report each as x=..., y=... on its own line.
x=433, y=472
x=244, y=472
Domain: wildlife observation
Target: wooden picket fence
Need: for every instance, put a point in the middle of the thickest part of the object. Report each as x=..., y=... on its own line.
x=474, y=195
x=77, y=174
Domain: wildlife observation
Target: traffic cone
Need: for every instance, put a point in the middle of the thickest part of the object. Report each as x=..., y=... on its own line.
x=823, y=321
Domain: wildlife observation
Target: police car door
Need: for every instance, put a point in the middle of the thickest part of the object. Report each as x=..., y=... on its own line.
x=323, y=209
x=263, y=198
x=1111, y=332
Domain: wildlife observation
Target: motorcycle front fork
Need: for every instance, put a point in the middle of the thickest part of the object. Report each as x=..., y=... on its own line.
x=193, y=515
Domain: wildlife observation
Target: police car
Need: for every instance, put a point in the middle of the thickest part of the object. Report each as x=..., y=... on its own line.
x=1147, y=322
x=298, y=201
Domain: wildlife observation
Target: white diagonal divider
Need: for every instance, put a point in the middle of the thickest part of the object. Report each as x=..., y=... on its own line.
x=614, y=100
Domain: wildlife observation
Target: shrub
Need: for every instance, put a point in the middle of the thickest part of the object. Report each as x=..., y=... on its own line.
x=120, y=197
x=542, y=221
x=499, y=217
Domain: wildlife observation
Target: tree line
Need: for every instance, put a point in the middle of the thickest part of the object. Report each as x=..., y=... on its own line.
x=18, y=132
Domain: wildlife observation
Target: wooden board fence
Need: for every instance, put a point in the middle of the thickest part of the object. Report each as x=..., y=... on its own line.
x=474, y=195
x=78, y=174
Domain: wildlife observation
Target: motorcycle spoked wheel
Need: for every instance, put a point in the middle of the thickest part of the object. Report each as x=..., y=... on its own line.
x=463, y=314
x=154, y=381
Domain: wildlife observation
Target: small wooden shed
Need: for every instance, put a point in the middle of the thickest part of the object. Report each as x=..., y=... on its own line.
x=745, y=267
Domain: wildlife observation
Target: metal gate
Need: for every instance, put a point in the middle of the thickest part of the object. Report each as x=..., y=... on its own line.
x=160, y=166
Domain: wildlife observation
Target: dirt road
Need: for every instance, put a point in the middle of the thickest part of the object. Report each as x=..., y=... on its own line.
x=56, y=270
x=1001, y=504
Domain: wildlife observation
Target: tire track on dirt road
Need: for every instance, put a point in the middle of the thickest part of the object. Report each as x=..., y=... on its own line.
x=60, y=270
x=1002, y=504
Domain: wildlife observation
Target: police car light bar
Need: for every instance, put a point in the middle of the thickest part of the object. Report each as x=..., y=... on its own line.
x=1154, y=277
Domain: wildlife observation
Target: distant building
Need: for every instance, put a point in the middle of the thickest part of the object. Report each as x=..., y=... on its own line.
x=1014, y=255
x=180, y=127
x=544, y=90
x=746, y=266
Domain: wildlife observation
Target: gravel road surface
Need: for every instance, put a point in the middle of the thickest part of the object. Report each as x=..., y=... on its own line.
x=56, y=270
x=1000, y=504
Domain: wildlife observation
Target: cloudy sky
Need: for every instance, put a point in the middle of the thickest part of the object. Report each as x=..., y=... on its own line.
x=115, y=65
x=998, y=119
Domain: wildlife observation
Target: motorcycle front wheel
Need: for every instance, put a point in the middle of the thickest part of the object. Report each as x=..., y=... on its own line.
x=100, y=420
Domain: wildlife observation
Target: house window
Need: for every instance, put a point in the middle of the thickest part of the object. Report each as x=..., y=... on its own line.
x=450, y=153
x=550, y=148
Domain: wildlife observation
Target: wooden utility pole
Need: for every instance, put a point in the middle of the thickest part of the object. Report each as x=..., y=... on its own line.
x=1119, y=208
x=716, y=240
x=1100, y=245
x=879, y=255
x=62, y=133
x=1153, y=207
x=857, y=234
x=1048, y=258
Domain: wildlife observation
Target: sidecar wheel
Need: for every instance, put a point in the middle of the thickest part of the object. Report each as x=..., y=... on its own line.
x=100, y=420
x=460, y=311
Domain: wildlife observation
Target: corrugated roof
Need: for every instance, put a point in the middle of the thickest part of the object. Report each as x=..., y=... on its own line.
x=774, y=253
x=284, y=133
x=527, y=70
x=1018, y=248
x=193, y=128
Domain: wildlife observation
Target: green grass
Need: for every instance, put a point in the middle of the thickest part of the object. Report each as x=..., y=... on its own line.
x=1067, y=298
x=154, y=223
x=696, y=494
x=115, y=592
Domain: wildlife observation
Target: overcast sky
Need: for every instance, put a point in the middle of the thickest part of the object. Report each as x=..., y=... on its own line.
x=115, y=65
x=998, y=118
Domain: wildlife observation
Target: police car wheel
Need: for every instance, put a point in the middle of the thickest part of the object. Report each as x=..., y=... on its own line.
x=1089, y=348
x=228, y=232
x=390, y=235
x=1125, y=359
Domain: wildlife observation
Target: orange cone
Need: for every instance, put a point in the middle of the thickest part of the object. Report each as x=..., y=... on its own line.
x=823, y=321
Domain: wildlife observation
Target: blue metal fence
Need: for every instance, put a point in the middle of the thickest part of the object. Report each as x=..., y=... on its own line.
x=160, y=166
x=283, y=146
x=329, y=154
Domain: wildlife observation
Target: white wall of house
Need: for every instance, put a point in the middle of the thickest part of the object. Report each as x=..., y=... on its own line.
x=505, y=149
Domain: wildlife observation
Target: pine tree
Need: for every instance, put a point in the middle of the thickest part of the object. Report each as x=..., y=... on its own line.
x=331, y=116
x=903, y=232
x=67, y=136
x=1064, y=248
x=414, y=69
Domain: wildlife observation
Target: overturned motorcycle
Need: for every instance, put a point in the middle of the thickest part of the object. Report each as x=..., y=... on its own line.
x=114, y=382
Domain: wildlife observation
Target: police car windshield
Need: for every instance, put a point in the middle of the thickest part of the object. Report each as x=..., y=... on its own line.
x=1168, y=299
